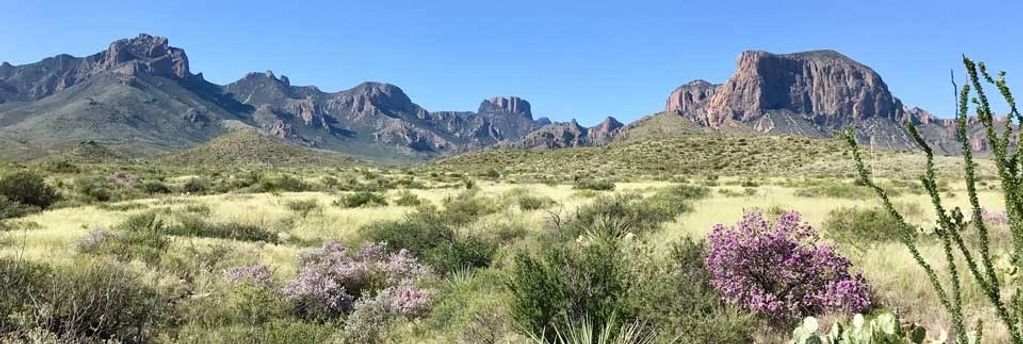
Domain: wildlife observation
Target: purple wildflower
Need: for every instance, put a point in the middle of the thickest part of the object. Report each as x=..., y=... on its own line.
x=332, y=278
x=994, y=217
x=255, y=274
x=779, y=271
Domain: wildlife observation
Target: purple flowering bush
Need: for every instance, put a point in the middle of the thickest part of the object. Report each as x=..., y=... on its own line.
x=994, y=217
x=258, y=275
x=778, y=270
x=332, y=278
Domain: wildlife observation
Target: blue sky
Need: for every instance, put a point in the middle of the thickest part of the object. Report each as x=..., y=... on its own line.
x=581, y=59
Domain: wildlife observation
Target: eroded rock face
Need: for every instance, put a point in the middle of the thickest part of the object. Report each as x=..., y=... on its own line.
x=918, y=116
x=603, y=133
x=689, y=97
x=823, y=85
x=154, y=53
x=127, y=58
x=557, y=135
x=512, y=105
x=511, y=116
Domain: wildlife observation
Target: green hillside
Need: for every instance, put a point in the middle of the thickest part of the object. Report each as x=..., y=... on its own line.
x=698, y=155
x=247, y=147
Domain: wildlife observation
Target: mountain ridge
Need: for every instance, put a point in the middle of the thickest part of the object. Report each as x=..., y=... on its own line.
x=140, y=97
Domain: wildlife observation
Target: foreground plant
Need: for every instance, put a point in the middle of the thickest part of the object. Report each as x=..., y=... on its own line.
x=610, y=332
x=332, y=278
x=779, y=271
x=979, y=262
x=885, y=328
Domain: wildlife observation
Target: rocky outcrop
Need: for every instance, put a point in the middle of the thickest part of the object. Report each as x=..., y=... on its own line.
x=689, y=97
x=379, y=113
x=569, y=134
x=605, y=132
x=512, y=117
x=557, y=135
x=825, y=86
x=144, y=54
x=813, y=94
x=512, y=105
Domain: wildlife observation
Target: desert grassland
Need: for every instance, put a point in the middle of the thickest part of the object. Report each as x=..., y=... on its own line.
x=896, y=280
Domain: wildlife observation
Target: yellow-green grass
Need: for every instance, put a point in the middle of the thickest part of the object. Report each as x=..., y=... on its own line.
x=49, y=236
x=897, y=280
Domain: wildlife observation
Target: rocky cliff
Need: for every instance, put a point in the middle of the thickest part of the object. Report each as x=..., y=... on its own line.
x=809, y=93
x=569, y=134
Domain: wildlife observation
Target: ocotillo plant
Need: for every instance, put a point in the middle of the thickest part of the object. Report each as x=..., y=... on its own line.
x=951, y=223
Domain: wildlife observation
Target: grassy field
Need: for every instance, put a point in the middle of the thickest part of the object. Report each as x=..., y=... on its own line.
x=618, y=234
x=50, y=236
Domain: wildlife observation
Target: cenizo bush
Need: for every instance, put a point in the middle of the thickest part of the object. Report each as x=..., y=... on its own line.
x=778, y=270
x=332, y=278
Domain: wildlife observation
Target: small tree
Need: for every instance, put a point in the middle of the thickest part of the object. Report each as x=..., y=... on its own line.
x=28, y=188
x=951, y=223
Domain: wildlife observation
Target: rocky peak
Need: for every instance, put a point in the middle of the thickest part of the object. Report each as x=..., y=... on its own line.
x=557, y=135
x=690, y=96
x=153, y=52
x=918, y=116
x=604, y=132
x=513, y=105
x=824, y=84
x=608, y=124
x=380, y=93
x=378, y=97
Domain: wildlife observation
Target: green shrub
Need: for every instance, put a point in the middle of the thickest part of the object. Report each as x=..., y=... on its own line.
x=199, y=227
x=527, y=202
x=472, y=307
x=427, y=235
x=677, y=298
x=278, y=331
x=155, y=187
x=361, y=199
x=594, y=184
x=140, y=237
x=28, y=188
x=569, y=283
x=408, y=199
x=628, y=213
x=93, y=189
x=255, y=304
x=676, y=200
x=11, y=209
x=196, y=185
x=838, y=190
x=20, y=281
x=854, y=226
x=303, y=207
x=62, y=166
x=466, y=207
x=283, y=183
x=83, y=303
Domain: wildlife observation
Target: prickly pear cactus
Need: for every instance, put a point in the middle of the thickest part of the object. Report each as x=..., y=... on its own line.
x=884, y=328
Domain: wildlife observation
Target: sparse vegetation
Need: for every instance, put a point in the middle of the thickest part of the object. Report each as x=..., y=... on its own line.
x=361, y=199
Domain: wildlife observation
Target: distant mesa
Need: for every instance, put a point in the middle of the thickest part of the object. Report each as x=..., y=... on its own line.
x=810, y=93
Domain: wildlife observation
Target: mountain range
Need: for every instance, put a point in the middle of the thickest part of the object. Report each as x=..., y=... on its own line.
x=140, y=98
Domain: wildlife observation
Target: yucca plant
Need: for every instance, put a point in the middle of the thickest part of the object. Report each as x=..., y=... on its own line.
x=979, y=262
x=611, y=332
